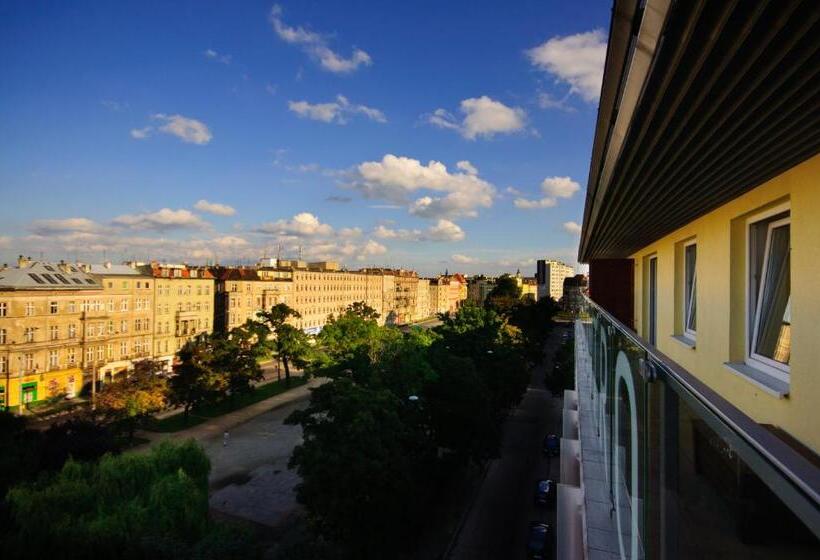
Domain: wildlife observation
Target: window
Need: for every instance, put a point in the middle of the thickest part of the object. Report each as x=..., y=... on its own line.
x=123, y=348
x=71, y=356
x=53, y=359
x=89, y=355
x=100, y=353
x=690, y=289
x=53, y=307
x=36, y=278
x=53, y=332
x=29, y=309
x=769, y=294
x=3, y=308
x=72, y=307
x=3, y=364
x=2, y=336
x=123, y=326
x=72, y=330
x=29, y=334
x=28, y=360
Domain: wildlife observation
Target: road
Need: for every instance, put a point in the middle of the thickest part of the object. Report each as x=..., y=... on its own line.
x=497, y=525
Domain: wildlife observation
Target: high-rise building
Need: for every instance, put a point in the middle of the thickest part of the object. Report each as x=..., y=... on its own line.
x=550, y=276
x=694, y=428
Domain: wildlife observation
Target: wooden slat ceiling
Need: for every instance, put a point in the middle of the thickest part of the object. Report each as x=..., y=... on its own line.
x=732, y=100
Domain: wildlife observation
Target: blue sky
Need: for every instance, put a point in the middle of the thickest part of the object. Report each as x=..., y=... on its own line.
x=220, y=130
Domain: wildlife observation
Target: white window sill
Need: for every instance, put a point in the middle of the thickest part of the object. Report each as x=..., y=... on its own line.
x=684, y=340
x=775, y=387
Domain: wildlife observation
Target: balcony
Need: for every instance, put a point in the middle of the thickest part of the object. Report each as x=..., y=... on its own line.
x=657, y=465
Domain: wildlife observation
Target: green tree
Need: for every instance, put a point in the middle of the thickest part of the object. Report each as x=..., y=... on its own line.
x=131, y=400
x=504, y=296
x=236, y=356
x=290, y=344
x=194, y=381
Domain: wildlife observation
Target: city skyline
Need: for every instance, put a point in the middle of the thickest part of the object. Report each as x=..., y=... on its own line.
x=221, y=133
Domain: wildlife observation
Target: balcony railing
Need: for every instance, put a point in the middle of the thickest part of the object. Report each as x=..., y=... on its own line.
x=685, y=472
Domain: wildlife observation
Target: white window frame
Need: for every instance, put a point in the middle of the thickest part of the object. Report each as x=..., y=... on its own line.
x=762, y=363
x=687, y=332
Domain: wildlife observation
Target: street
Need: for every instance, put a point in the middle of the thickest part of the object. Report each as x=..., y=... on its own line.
x=497, y=525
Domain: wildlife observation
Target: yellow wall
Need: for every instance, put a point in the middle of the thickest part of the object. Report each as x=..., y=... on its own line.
x=45, y=387
x=721, y=301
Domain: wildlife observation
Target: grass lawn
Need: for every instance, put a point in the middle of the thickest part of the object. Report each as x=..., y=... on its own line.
x=199, y=415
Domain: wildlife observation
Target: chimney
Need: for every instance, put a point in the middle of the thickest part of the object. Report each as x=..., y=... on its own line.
x=23, y=262
x=107, y=264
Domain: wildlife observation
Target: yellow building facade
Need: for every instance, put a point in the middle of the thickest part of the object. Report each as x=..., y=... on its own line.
x=718, y=351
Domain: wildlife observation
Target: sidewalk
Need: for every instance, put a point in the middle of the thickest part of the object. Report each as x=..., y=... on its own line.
x=219, y=425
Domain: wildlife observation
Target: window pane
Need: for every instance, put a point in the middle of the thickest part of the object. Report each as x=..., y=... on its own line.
x=774, y=322
x=691, y=287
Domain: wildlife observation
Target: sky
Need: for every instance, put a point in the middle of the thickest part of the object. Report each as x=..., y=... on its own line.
x=427, y=135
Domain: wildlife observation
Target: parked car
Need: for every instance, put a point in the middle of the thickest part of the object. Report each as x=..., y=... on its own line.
x=545, y=492
x=552, y=445
x=538, y=545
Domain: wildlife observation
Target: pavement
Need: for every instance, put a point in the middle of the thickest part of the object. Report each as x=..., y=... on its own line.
x=497, y=523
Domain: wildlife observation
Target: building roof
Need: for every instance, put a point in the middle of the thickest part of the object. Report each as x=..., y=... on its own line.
x=248, y=274
x=47, y=277
x=109, y=269
x=701, y=102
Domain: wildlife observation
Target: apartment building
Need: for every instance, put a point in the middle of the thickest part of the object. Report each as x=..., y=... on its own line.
x=422, y=300
x=478, y=288
x=43, y=310
x=693, y=430
x=447, y=293
x=120, y=332
x=240, y=295
x=550, y=276
x=183, y=306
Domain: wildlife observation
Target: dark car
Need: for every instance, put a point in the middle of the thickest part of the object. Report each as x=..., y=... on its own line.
x=545, y=492
x=538, y=543
x=552, y=445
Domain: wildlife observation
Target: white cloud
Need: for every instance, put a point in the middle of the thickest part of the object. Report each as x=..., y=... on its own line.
x=445, y=230
x=560, y=187
x=186, y=129
x=141, y=133
x=65, y=225
x=546, y=101
x=463, y=259
x=467, y=167
x=350, y=233
x=553, y=189
x=214, y=208
x=161, y=220
x=303, y=224
x=513, y=191
x=372, y=248
x=483, y=117
x=395, y=178
x=315, y=45
x=335, y=111
x=526, y=204
x=383, y=232
x=572, y=227
x=577, y=60
x=217, y=57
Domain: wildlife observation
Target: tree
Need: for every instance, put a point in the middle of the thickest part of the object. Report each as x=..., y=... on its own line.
x=535, y=322
x=504, y=296
x=362, y=310
x=115, y=507
x=236, y=356
x=194, y=381
x=130, y=401
x=291, y=344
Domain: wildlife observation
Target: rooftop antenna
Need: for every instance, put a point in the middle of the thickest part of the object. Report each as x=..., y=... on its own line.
x=300, y=252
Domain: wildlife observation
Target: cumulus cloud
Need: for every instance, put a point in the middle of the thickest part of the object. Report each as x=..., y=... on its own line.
x=384, y=232
x=445, y=230
x=350, y=232
x=396, y=178
x=553, y=189
x=161, y=220
x=337, y=112
x=215, y=208
x=463, y=259
x=65, y=225
x=483, y=117
x=186, y=129
x=573, y=228
x=211, y=54
x=315, y=45
x=303, y=224
x=577, y=60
